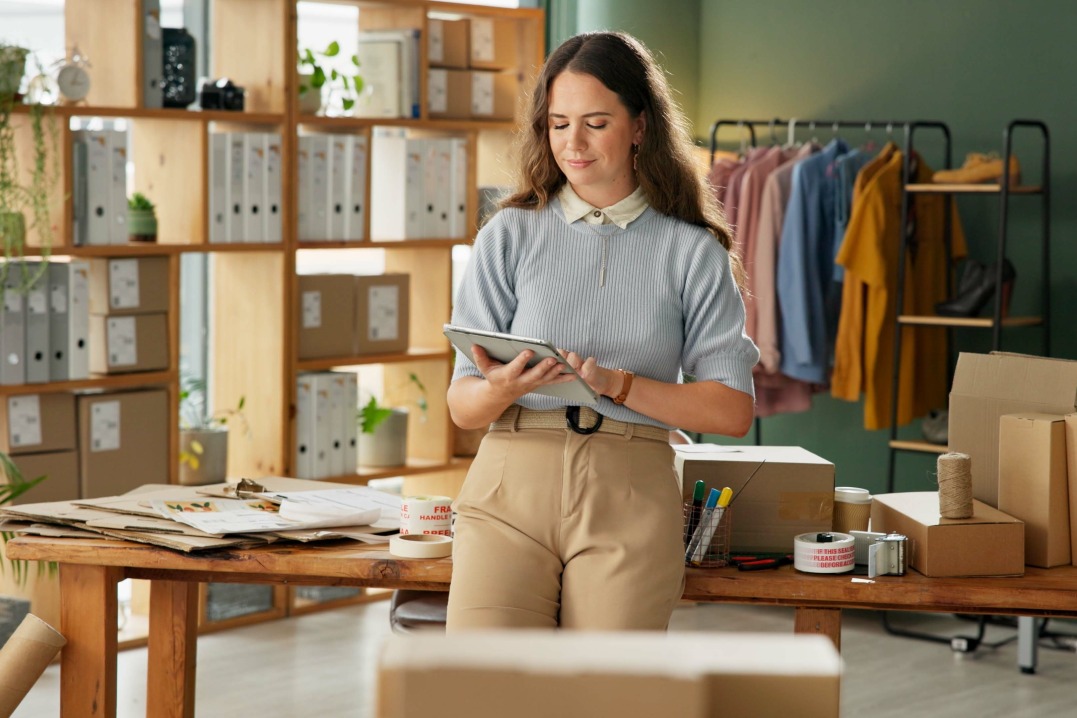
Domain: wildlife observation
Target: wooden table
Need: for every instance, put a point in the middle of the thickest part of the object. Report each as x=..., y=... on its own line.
x=90, y=570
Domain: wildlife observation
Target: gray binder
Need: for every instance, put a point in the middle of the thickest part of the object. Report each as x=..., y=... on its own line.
x=37, y=325
x=12, y=331
x=69, y=320
x=152, y=54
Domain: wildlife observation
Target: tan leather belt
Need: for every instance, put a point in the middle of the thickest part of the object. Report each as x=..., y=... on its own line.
x=517, y=417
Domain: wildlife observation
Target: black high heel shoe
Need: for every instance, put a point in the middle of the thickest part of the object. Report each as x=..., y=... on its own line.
x=975, y=291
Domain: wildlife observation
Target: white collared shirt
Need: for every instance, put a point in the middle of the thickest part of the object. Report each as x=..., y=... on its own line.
x=621, y=213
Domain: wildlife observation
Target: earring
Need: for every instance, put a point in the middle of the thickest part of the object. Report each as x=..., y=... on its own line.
x=635, y=157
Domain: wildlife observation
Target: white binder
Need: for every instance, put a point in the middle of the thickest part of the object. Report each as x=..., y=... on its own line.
x=272, y=205
x=237, y=180
x=79, y=209
x=337, y=422
x=396, y=199
x=37, y=325
x=441, y=155
x=318, y=228
x=219, y=145
x=322, y=436
x=351, y=432
x=458, y=217
x=117, y=147
x=69, y=320
x=254, y=187
x=304, y=149
x=12, y=331
x=304, y=427
x=98, y=230
x=355, y=228
x=337, y=197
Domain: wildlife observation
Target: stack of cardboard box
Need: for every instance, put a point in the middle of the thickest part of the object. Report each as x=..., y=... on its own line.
x=473, y=68
x=343, y=315
x=129, y=314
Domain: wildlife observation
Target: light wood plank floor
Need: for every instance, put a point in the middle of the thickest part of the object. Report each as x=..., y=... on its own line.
x=324, y=665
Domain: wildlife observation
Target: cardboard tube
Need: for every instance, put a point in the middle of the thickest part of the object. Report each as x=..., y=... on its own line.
x=24, y=658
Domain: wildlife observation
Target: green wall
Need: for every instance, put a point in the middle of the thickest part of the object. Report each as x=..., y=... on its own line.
x=669, y=28
x=974, y=64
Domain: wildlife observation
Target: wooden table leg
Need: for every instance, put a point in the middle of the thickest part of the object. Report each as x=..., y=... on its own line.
x=172, y=649
x=88, y=621
x=826, y=621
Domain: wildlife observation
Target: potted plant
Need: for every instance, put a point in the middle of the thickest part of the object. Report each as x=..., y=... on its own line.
x=141, y=219
x=383, y=436
x=24, y=195
x=312, y=67
x=204, y=437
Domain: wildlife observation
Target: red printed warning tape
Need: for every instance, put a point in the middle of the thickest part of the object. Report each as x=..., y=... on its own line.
x=826, y=552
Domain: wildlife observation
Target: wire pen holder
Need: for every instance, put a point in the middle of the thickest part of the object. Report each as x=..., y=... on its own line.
x=707, y=536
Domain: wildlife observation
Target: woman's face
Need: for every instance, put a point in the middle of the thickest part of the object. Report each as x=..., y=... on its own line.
x=591, y=137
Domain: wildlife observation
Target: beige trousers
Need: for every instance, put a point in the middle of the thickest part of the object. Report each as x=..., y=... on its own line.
x=559, y=529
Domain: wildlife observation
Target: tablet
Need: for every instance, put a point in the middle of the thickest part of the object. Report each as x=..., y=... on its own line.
x=506, y=347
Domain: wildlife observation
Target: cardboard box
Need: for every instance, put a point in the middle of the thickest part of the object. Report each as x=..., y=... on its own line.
x=1032, y=484
x=35, y=423
x=129, y=285
x=61, y=469
x=985, y=387
x=326, y=315
x=531, y=674
x=990, y=543
x=494, y=95
x=493, y=43
x=1071, y=471
x=123, y=441
x=123, y=344
x=779, y=492
x=381, y=313
x=448, y=93
x=449, y=43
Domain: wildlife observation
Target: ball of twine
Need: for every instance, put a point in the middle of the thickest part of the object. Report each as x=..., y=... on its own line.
x=955, y=486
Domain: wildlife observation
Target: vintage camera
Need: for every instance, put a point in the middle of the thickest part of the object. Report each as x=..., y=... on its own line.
x=221, y=94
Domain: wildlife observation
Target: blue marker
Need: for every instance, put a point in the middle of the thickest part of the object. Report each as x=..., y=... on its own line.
x=697, y=537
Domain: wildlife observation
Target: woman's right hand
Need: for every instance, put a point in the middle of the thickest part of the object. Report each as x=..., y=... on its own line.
x=513, y=380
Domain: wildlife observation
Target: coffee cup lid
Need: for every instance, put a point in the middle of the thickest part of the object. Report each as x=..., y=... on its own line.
x=852, y=495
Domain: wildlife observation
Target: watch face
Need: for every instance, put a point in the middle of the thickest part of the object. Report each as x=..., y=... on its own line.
x=74, y=82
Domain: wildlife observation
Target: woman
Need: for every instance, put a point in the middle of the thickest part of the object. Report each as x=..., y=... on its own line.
x=571, y=516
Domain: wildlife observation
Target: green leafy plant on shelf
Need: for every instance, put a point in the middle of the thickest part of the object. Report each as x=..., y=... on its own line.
x=24, y=195
x=371, y=414
x=16, y=486
x=195, y=418
x=141, y=218
x=316, y=74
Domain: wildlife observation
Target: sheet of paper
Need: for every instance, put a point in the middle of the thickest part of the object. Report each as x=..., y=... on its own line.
x=354, y=506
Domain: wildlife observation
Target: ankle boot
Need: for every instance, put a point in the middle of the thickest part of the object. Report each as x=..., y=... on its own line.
x=973, y=297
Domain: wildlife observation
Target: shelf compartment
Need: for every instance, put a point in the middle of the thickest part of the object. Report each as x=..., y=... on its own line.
x=975, y=322
x=971, y=189
x=354, y=123
x=132, y=113
x=260, y=66
x=921, y=446
x=96, y=381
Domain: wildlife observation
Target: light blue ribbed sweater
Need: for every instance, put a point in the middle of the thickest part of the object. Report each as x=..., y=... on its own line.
x=657, y=298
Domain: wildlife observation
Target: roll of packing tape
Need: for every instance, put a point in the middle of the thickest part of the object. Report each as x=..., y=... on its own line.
x=426, y=515
x=828, y=552
x=420, y=546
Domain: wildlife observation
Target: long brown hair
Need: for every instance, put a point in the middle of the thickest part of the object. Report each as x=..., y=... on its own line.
x=665, y=167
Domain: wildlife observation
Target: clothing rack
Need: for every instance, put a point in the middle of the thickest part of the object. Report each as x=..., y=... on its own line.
x=790, y=126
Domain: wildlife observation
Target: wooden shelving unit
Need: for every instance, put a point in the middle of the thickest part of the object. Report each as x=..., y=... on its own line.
x=255, y=291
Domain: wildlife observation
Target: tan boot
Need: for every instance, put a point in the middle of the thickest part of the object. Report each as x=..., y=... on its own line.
x=978, y=168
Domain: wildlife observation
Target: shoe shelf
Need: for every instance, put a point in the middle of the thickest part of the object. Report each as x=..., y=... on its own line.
x=997, y=320
x=923, y=446
x=981, y=322
x=991, y=188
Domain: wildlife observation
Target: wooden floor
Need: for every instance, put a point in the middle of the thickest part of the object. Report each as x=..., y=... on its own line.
x=324, y=665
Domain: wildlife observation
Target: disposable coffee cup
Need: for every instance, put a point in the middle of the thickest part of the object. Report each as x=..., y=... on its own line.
x=852, y=509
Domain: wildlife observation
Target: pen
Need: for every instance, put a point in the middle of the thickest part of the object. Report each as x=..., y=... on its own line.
x=697, y=535
x=693, y=515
